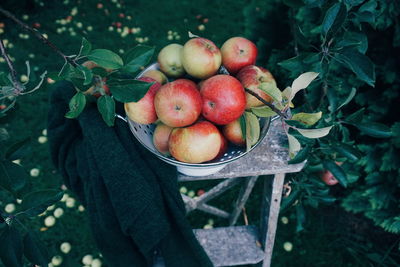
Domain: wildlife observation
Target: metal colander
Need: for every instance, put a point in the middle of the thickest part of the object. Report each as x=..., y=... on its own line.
x=144, y=134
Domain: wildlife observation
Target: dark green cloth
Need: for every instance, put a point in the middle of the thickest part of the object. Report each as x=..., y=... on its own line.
x=132, y=198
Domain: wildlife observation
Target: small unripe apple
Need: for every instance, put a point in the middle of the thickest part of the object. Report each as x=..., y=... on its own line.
x=233, y=132
x=251, y=78
x=170, y=61
x=178, y=103
x=201, y=58
x=156, y=75
x=143, y=111
x=197, y=143
x=160, y=138
x=238, y=52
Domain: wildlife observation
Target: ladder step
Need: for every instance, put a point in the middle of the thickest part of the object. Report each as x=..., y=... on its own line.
x=230, y=246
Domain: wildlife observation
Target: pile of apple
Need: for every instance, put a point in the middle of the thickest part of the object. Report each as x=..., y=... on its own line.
x=198, y=112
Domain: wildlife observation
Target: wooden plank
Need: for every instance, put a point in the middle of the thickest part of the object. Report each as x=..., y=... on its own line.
x=270, y=213
x=270, y=157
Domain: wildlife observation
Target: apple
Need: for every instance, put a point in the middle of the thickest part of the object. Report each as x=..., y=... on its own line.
x=224, y=99
x=197, y=143
x=93, y=90
x=160, y=138
x=170, y=61
x=233, y=132
x=143, y=111
x=178, y=103
x=238, y=52
x=328, y=178
x=251, y=78
x=156, y=75
x=201, y=58
x=223, y=148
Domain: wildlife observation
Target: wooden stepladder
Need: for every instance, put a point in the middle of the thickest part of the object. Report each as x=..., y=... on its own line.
x=249, y=244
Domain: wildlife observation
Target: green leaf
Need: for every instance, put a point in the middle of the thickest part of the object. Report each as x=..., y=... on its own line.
x=332, y=99
x=300, y=217
x=37, y=202
x=106, y=59
x=302, y=82
x=11, y=247
x=374, y=129
x=358, y=63
x=307, y=118
x=242, y=122
x=301, y=156
x=288, y=201
x=4, y=80
x=106, y=107
x=86, y=47
x=347, y=151
x=34, y=250
x=17, y=150
x=138, y=57
x=66, y=71
x=252, y=129
x=132, y=92
x=334, y=18
x=349, y=98
x=76, y=105
x=354, y=39
x=272, y=90
x=294, y=63
x=355, y=117
x=12, y=176
x=87, y=74
x=263, y=111
x=314, y=133
x=337, y=171
x=294, y=146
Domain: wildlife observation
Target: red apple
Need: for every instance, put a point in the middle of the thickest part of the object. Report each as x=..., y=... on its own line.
x=251, y=78
x=233, y=132
x=156, y=75
x=224, y=99
x=178, y=103
x=238, y=52
x=197, y=143
x=223, y=148
x=93, y=90
x=143, y=111
x=201, y=58
x=328, y=178
x=170, y=61
x=160, y=138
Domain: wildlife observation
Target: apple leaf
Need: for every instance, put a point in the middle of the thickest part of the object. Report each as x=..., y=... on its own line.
x=302, y=82
x=349, y=98
x=86, y=47
x=106, y=59
x=131, y=91
x=87, y=74
x=294, y=146
x=37, y=202
x=334, y=18
x=263, y=111
x=76, y=105
x=337, y=171
x=314, y=133
x=242, y=121
x=301, y=155
x=12, y=176
x=252, y=129
x=272, y=90
x=356, y=116
x=17, y=150
x=374, y=129
x=138, y=57
x=307, y=118
x=106, y=107
x=34, y=250
x=347, y=151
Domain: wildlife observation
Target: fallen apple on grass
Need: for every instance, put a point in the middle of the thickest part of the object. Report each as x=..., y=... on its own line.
x=197, y=143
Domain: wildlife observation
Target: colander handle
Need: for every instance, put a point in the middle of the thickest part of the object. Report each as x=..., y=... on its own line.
x=121, y=118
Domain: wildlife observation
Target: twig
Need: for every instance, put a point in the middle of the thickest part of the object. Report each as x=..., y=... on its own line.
x=292, y=26
x=277, y=111
x=13, y=73
x=38, y=35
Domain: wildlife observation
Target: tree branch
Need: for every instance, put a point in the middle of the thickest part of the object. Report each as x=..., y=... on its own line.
x=38, y=35
x=277, y=111
x=17, y=85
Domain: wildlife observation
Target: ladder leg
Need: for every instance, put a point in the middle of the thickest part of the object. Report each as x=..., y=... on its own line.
x=270, y=213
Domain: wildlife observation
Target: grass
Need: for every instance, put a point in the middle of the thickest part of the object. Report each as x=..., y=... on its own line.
x=331, y=237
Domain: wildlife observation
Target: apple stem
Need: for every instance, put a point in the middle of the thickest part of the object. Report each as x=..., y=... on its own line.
x=38, y=35
x=274, y=109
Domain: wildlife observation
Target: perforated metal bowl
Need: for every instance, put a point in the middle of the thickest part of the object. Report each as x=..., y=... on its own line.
x=144, y=134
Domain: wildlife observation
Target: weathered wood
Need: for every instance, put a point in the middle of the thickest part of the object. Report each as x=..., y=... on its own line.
x=242, y=199
x=189, y=206
x=270, y=157
x=229, y=246
x=269, y=214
